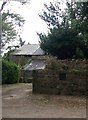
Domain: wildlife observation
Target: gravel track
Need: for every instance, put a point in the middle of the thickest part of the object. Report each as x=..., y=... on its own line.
x=19, y=102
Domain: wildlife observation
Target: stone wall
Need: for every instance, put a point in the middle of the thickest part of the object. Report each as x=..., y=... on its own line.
x=20, y=59
x=26, y=76
x=70, y=82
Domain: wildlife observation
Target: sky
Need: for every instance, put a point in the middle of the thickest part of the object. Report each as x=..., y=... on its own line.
x=33, y=23
x=30, y=12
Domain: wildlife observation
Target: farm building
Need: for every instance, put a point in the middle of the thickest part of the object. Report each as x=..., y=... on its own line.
x=52, y=76
x=27, y=69
x=24, y=54
x=30, y=57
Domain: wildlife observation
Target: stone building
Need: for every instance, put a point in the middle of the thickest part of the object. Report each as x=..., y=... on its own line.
x=37, y=63
x=30, y=57
x=24, y=54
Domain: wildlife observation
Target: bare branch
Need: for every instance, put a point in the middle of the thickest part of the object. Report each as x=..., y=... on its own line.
x=3, y=4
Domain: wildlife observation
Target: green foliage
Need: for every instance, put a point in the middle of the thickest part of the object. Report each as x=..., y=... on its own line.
x=7, y=56
x=21, y=41
x=62, y=43
x=68, y=30
x=79, y=53
x=10, y=21
x=54, y=64
x=51, y=14
x=10, y=72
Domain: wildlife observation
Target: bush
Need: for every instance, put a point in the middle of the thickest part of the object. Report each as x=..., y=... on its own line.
x=79, y=53
x=10, y=72
x=52, y=63
x=55, y=64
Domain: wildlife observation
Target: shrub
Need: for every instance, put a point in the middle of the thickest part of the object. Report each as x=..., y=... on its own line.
x=52, y=63
x=79, y=53
x=10, y=72
x=55, y=64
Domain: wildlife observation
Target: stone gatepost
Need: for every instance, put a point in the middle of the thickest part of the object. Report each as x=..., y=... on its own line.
x=34, y=81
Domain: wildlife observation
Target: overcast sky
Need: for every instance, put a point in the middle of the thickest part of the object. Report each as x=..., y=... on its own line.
x=33, y=23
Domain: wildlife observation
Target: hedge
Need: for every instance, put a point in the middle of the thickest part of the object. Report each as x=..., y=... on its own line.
x=10, y=72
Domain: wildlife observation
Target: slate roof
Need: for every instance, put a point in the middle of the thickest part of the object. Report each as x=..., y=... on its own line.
x=35, y=65
x=29, y=49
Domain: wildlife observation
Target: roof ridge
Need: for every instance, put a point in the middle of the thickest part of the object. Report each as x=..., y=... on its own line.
x=36, y=50
x=32, y=44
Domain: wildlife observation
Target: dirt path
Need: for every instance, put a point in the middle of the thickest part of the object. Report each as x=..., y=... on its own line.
x=19, y=102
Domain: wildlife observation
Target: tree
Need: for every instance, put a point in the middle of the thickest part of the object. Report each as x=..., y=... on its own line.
x=6, y=1
x=61, y=43
x=67, y=36
x=3, y=4
x=9, y=22
x=51, y=14
x=21, y=41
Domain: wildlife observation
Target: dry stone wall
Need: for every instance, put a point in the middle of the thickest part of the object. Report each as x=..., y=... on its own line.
x=70, y=82
x=26, y=76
